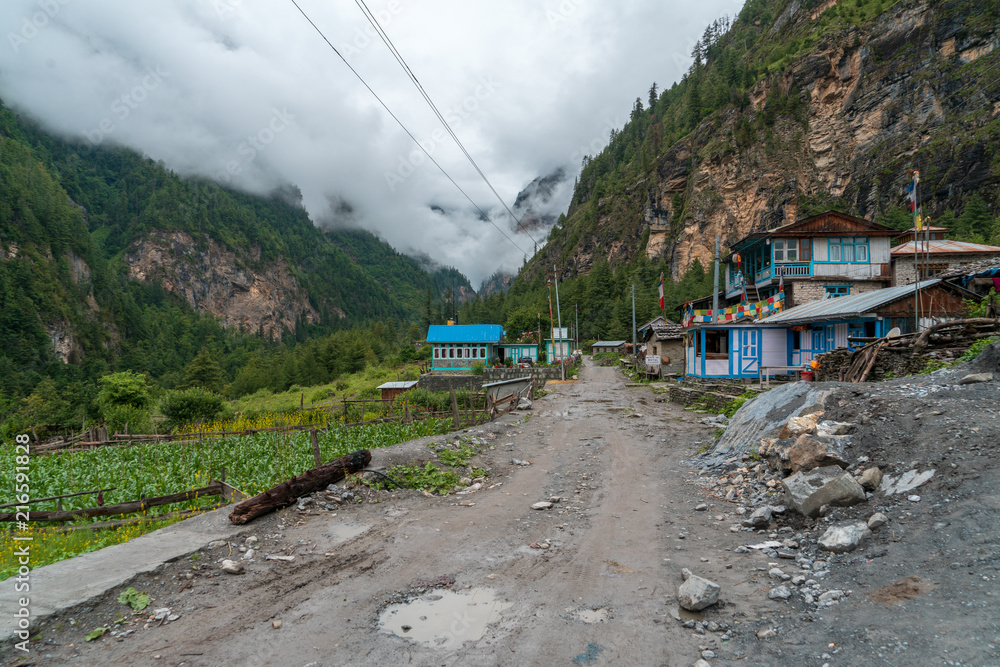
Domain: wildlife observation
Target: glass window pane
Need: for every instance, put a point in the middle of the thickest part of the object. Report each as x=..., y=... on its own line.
x=793, y=255
x=862, y=253
x=835, y=253
x=848, y=253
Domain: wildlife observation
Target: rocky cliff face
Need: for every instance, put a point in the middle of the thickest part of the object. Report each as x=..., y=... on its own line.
x=917, y=88
x=216, y=280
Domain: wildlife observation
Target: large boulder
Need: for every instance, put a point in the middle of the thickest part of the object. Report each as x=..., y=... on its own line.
x=814, y=451
x=697, y=593
x=804, y=425
x=807, y=492
x=845, y=537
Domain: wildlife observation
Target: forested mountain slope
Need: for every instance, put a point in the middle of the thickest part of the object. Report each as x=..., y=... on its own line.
x=108, y=260
x=795, y=107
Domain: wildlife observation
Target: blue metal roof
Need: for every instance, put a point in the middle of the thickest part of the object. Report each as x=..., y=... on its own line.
x=608, y=343
x=464, y=333
x=844, y=307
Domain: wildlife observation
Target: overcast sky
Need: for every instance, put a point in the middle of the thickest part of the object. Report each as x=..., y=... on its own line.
x=247, y=93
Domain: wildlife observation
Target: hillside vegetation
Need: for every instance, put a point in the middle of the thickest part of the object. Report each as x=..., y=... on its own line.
x=792, y=108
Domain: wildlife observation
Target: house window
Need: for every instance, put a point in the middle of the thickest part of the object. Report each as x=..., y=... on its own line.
x=849, y=250
x=468, y=353
x=833, y=291
x=451, y=353
x=932, y=270
x=437, y=352
x=786, y=250
x=716, y=344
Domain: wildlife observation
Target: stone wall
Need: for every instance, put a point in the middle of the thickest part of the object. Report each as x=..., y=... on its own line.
x=436, y=382
x=441, y=382
x=806, y=291
x=902, y=267
x=682, y=395
x=541, y=375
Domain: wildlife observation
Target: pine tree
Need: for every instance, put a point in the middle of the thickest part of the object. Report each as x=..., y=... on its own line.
x=204, y=372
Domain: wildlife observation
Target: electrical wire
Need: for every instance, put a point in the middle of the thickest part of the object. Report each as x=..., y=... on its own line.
x=400, y=123
x=427, y=98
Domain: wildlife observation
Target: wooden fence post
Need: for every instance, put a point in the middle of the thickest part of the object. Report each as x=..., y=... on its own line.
x=454, y=410
x=315, y=446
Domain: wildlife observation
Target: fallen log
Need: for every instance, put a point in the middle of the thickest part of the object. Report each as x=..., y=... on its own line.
x=286, y=493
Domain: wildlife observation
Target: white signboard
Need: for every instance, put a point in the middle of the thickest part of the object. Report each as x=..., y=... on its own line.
x=652, y=360
x=560, y=333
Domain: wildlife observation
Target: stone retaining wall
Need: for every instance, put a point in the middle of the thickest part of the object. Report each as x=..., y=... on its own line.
x=433, y=382
x=541, y=375
x=685, y=395
x=899, y=364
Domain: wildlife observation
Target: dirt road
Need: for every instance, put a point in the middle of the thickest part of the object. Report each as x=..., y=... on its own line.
x=484, y=579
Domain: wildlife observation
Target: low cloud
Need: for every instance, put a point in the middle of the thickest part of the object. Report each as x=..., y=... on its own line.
x=245, y=92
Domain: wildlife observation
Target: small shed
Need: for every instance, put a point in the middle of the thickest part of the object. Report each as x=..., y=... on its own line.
x=390, y=390
x=664, y=347
x=558, y=349
x=608, y=346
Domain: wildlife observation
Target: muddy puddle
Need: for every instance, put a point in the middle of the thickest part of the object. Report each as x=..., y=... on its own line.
x=442, y=619
x=342, y=532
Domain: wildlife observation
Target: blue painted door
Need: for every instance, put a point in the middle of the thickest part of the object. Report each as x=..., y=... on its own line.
x=817, y=341
x=749, y=351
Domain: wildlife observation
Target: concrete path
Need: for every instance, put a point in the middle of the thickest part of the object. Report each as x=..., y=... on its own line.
x=62, y=586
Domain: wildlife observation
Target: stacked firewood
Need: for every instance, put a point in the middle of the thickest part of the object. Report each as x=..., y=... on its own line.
x=953, y=334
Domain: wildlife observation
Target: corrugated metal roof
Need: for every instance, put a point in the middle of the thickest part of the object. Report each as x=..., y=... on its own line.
x=844, y=307
x=408, y=384
x=608, y=343
x=464, y=333
x=944, y=247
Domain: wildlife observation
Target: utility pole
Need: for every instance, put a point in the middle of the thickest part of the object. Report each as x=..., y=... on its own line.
x=577, y=308
x=916, y=254
x=562, y=365
x=715, y=291
x=635, y=352
x=552, y=332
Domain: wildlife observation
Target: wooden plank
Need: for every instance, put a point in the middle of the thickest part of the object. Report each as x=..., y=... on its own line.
x=315, y=447
x=121, y=508
x=68, y=495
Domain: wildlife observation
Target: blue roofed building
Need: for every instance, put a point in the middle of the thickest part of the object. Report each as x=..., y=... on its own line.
x=456, y=347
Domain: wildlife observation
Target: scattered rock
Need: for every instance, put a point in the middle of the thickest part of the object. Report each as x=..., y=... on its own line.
x=906, y=482
x=845, y=537
x=696, y=593
x=524, y=404
x=779, y=593
x=231, y=567
x=250, y=541
x=807, y=492
x=555, y=499
x=828, y=427
x=248, y=555
x=761, y=518
x=766, y=634
x=877, y=520
x=701, y=507
x=276, y=625
x=913, y=499
x=870, y=479
x=813, y=451
x=976, y=378
x=542, y=506
x=519, y=462
x=796, y=426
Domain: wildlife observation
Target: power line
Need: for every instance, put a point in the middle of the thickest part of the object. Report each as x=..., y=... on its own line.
x=427, y=98
x=400, y=123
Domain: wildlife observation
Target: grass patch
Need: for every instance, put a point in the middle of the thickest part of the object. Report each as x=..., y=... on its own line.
x=428, y=478
x=50, y=545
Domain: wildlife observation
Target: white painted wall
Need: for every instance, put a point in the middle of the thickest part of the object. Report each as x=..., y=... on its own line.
x=820, y=250
x=840, y=335
x=717, y=367
x=878, y=250
x=775, y=342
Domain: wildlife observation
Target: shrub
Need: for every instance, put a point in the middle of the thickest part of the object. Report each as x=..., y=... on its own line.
x=191, y=406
